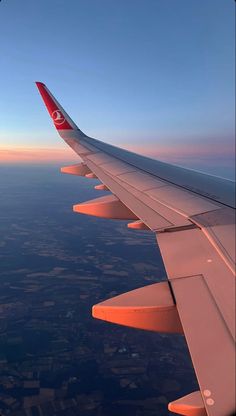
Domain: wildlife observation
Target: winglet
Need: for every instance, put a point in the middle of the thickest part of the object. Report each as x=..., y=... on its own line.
x=59, y=117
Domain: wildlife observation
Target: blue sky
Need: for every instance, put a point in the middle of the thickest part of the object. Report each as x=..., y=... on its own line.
x=149, y=74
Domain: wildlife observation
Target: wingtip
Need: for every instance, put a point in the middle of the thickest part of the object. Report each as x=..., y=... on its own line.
x=38, y=83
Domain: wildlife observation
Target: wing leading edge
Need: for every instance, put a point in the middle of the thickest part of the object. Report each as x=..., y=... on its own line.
x=193, y=217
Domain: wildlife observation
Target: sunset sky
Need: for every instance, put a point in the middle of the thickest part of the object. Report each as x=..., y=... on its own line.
x=154, y=76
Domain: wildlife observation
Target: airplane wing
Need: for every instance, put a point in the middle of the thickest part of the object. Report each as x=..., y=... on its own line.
x=193, y=217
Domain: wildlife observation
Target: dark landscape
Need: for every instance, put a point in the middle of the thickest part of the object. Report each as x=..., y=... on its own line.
x=55, y=359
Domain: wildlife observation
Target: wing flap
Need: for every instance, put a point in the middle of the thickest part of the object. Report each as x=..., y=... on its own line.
x=188, y=253
x=210, y=343
x=219, y=228
x=141, y=181
x=182, y=201
x=204, y=289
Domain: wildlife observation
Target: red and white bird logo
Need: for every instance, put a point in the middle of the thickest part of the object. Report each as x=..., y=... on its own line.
x=58, y=117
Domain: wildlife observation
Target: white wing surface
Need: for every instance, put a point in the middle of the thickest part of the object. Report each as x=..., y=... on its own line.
x=193, y=217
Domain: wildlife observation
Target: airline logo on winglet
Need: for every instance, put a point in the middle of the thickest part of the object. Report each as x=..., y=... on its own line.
x=58, y=117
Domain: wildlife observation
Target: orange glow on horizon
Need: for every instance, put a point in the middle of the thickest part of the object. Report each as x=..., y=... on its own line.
x=172, y=154
x=36, y=155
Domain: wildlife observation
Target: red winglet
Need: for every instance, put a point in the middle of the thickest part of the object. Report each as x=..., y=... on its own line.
x=60, y=119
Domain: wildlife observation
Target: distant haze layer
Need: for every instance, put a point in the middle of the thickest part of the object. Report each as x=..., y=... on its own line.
x=216, y=159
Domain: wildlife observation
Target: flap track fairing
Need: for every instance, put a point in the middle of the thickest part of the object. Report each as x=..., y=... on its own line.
x=101, y=187
x=80, y=169
x=190, y=405
x=151, y=308
x=105, y=207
